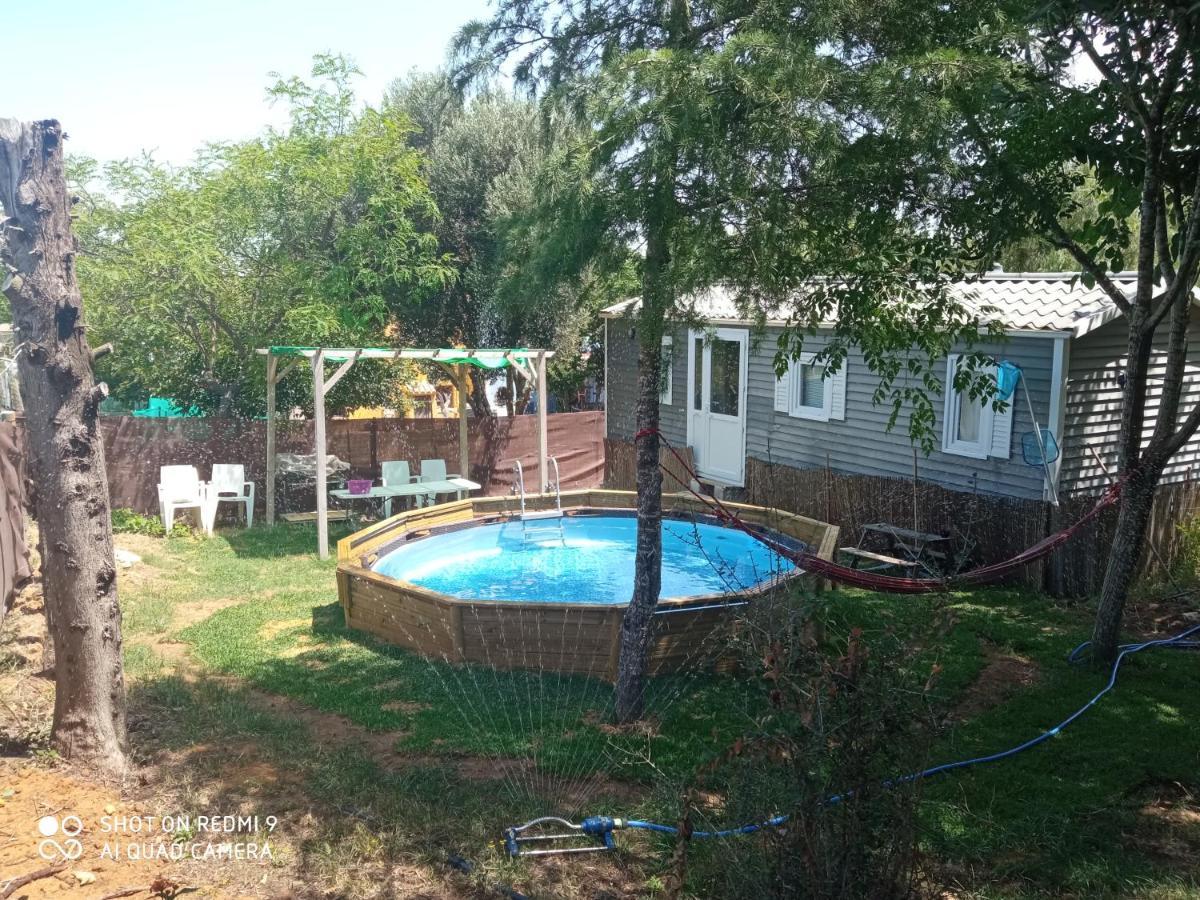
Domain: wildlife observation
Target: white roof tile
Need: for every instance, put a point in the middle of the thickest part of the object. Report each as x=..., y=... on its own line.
x=1037, y=301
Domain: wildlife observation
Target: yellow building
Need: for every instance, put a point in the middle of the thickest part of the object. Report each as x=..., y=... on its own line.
x=420, y=400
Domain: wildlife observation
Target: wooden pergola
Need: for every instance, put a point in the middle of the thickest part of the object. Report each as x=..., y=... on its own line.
x=529, y=364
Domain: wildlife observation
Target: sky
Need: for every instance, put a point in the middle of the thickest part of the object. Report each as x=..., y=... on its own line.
x=165, y=76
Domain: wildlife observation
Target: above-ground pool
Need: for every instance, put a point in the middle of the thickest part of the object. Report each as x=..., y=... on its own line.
x=589, y=559
x=469, y=582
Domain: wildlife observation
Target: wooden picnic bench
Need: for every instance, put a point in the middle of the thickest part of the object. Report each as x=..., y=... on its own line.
x=914, y=545
x=299, y=518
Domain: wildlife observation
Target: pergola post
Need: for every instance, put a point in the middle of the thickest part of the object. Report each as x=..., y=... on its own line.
x=318, y=373
x=464, y=449
x=272, y=367
x=543, y=401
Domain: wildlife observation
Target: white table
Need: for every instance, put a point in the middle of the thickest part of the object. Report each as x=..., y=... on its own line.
x=418, y=489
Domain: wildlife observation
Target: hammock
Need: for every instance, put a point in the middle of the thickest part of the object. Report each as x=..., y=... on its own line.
x=892, y=584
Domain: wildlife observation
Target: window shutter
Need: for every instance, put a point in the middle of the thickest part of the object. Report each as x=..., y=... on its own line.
x=783, y=391
x=1002, y=423
x=949, y=401
x=837, y=406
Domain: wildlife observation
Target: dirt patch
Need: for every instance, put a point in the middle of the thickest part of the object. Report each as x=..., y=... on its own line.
x=26, y=697
x=569, y=793
x=1004, y=674
x=405, y=706
x=174, y=652
x=641, y=728
x=603, y=876
x=269, y=630
x=1168, y=825
x=141, y=574
x=187, y=614
x=1158, y=618
x=30, y=794
x=332, y=729
x=23, y=634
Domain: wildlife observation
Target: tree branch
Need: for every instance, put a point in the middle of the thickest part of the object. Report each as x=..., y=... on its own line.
x=1132, y=101
x=1064, y=241
x=1165, y=264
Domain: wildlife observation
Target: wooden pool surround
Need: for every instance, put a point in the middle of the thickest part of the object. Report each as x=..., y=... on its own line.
x=563, y=637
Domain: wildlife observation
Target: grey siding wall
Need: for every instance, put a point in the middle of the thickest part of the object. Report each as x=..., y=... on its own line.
x=1093, y=410
x=859, y=444
x=621, y=390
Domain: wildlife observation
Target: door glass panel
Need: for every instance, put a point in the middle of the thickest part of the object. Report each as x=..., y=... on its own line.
x=698, y=370
x=726, y=388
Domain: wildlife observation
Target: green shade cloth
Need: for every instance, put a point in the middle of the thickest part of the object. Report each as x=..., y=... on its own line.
x=165, y=408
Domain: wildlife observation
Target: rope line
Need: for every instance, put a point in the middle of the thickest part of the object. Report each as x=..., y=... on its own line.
x=892, y=584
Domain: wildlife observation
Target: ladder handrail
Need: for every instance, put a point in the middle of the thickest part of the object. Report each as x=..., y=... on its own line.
x=557, y=484
x=519, y=484
x=519, y=487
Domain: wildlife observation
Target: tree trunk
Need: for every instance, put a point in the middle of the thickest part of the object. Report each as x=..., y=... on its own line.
x=65, y=451
x=637, y=626
x=1124, y=555
x=477, y=396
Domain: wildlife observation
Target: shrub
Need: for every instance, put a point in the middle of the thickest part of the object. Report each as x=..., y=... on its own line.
x=845, y=715
x=127, y=521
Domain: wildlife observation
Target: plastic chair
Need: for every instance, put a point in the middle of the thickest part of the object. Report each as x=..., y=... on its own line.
x=229, y=485
x=435, y=470
x=394, y=473
x=180, y=487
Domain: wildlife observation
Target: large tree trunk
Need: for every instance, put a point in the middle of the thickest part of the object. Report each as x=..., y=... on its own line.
x=65, y=451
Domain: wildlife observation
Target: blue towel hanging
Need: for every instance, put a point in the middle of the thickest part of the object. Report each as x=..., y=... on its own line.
x=1007, y=376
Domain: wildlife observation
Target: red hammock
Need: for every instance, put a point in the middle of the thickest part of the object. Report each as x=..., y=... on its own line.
x=892, y=584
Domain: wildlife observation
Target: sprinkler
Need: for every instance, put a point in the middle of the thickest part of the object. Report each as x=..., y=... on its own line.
x=593, y=835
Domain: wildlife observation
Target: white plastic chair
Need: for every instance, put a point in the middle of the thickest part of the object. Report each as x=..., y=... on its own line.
x=394, y=474
x=229, y=485
x=180, y=487
x=435, y=470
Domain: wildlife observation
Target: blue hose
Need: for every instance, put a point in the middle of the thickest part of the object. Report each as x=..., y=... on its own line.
x=1179, y=641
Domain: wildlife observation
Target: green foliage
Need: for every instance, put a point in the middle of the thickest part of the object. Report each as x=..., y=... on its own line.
x=1187, y=554
x=128, y=521
x=320, y=234
x=845, y=714
x=485, y=159
x=738, y=145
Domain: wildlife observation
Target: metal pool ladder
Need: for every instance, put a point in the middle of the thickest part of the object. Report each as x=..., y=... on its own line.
x=555, y=515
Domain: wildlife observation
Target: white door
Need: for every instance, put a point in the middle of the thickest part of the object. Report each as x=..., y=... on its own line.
x=717, y=402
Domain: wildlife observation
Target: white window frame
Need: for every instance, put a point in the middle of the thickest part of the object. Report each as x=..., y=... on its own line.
x=814, y=413
x=978, y=449
x=667, y=371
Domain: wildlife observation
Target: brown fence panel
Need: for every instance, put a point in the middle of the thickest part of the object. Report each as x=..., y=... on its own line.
x=620, y=467
x=14, y=555
x=982, y=528
x=136, y=448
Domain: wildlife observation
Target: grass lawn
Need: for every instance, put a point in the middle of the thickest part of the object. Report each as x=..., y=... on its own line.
x=424, y=760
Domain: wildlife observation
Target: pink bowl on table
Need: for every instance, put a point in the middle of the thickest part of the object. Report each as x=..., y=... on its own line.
x=359, y=485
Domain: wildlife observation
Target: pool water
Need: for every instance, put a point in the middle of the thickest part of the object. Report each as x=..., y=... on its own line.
x=591, y=562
